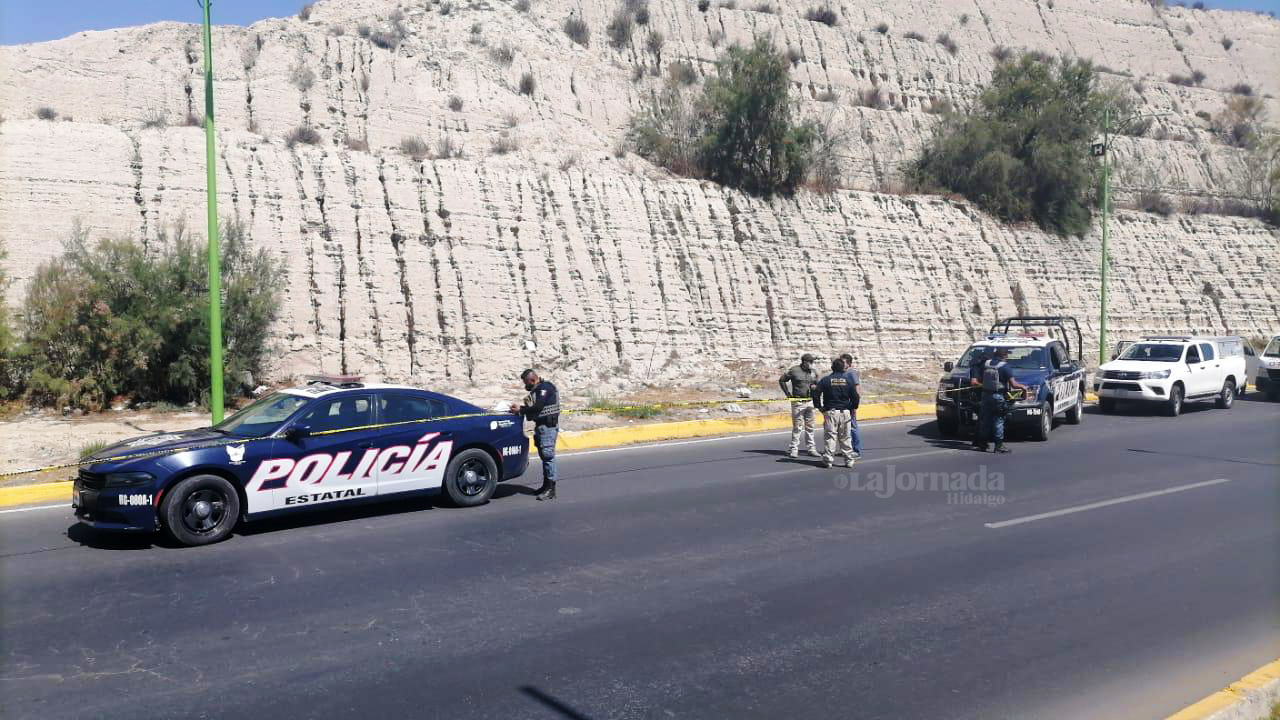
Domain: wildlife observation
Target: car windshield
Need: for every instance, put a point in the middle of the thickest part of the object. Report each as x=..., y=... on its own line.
x=1152, y=352
x=262, y=417
x=1019, y=357
x=1273, y=348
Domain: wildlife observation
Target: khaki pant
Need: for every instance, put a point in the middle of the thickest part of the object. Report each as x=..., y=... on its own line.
x=836, y=424
x=802, y=424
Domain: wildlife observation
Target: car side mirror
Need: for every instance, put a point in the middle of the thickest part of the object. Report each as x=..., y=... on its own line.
x=948, y=366
x=1115, y=355
x=297, y=432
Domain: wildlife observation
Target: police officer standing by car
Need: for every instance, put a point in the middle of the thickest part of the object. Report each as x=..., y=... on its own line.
x=797, y=384
x=857, y=393
x=834, y=395
x=995, y=379
x=542, y=406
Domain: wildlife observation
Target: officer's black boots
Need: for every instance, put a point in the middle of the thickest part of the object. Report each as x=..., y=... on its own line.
x=1000, y=448
x=548, y=490
x=980, y=446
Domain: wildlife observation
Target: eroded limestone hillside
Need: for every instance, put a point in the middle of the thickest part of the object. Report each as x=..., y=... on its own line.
x=536, y=232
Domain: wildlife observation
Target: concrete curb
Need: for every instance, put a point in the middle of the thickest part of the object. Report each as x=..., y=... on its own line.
x=1248, y=698
x=570, y=440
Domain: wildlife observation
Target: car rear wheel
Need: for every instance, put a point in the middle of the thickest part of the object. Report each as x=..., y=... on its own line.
x=1173, y=406
x=1076, y=414
x=200, y=510
x=1227, y=396
x=470, y=478
x=1043, y=429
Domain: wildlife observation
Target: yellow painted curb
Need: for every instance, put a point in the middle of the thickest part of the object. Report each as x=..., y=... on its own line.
x=36, y=494
x=1256, y=682
x=570, y=440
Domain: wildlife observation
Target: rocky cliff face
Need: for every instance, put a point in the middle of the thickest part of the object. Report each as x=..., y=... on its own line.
x=543, y=244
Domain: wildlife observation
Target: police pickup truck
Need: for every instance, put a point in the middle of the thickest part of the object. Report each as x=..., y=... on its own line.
x=1040, y=357
x=332, y=442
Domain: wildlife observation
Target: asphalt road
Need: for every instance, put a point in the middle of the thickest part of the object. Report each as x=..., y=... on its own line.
x=704, y=579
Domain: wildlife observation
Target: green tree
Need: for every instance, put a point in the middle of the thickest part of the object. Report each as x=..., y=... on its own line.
x=1022, y=151
x=739, y=132
x=752, y=141
x=116, y=319
x=10, y=370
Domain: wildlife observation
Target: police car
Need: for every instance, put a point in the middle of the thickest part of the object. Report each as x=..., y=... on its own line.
x=1042, y=361
x=332, y=442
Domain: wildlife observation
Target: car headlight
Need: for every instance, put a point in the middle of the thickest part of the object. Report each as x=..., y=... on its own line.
x=1154, y=375
x=1031, y=396
x=128, y=479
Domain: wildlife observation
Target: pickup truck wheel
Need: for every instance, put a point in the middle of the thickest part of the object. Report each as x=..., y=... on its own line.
x=1041, y=431
x=1228, y=395
x=1173, y=406
x=1107, y=405
x=948, y=428
x=1076, y=413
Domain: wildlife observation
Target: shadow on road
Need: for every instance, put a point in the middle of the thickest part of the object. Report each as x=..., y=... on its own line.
x=102, y=540
x=553, y=703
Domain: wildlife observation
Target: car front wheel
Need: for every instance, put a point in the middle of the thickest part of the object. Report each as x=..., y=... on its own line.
x=471, y=478
x=200, y=510
x=1173, y=406
x=1042, y=430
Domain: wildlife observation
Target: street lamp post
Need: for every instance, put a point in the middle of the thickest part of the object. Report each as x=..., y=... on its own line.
x=1104, y=149
x=215, y=271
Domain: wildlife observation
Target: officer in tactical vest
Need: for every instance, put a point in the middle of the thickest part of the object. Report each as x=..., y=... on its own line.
x=995, y=379
x=797, y=384
x=542, y=406
x=837, y=398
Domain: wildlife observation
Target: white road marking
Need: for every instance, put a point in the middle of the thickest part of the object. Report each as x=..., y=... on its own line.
x=1104, y=503
x=65, y=506
x=673, y=443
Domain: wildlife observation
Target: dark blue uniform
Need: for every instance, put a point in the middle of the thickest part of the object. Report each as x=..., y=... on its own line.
x=542, y=406
x=994, y=375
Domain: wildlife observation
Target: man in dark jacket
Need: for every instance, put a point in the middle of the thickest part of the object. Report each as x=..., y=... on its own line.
x=995, y=379
x=834, y=396
x=797, y=384
x=542, y=406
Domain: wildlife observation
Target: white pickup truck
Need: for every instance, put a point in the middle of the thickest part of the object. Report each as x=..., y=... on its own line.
x=1265, y=373
x=1170, y=370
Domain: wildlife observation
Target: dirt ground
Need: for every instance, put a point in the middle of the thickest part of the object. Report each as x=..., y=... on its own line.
x=39, y=438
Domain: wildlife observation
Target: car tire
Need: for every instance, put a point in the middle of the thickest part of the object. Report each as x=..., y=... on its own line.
x=1045, y=426
x=1227, y=396
x=471, y=478
x=1076, y=414
x=200, y=510
x=1107, y=405
x=948, y=428
x=1173, y=406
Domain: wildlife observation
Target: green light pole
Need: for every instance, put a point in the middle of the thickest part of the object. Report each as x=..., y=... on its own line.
x=215, y=271
x=1104, y=149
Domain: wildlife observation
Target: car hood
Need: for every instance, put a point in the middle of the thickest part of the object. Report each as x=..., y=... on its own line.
x=1137, y=365
x=156, y=443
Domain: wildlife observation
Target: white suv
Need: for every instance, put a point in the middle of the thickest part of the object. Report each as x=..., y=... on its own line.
x=1171, y=370
x=1266, y=371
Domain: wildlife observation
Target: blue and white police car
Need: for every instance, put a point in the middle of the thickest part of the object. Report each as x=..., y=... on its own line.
x=1042, y=361
x=334, y=441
